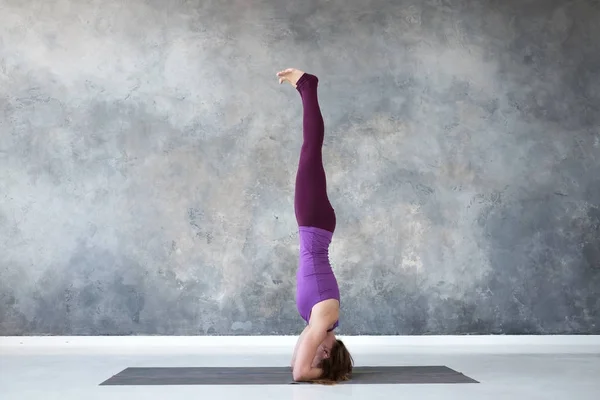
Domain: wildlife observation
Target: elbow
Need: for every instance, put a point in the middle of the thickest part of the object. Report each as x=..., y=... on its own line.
x=298, y=375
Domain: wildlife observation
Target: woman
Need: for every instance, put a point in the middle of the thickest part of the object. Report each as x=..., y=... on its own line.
x=318, y=355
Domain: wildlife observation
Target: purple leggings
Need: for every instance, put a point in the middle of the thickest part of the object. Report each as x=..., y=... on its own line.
x=311, y=203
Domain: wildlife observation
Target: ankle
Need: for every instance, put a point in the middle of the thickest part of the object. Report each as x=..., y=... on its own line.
x=307, y=80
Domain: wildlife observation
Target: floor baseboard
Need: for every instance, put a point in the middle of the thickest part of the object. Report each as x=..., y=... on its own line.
x=499, y=344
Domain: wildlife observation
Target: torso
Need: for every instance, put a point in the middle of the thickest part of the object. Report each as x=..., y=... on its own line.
x=316, y=285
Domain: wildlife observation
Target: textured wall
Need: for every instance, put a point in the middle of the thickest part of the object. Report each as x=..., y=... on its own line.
x=147, y=161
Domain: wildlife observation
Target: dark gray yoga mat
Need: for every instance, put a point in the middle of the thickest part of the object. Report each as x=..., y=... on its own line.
x=281, y=376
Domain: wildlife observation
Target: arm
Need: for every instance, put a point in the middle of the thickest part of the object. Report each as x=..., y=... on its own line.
x=298, y=343
x=307, y=349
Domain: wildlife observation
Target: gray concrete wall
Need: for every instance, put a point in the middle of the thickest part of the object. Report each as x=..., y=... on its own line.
x=147, y=161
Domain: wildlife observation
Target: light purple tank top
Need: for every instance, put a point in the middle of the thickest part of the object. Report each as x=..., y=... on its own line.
x=315, y=280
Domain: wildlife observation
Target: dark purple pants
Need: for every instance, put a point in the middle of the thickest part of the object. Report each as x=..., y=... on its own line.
x=311, y=203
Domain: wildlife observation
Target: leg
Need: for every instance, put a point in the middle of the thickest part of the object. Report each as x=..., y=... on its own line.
x=311, y=204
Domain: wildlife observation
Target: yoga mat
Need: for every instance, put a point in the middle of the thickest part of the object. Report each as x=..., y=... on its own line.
x=281, y=376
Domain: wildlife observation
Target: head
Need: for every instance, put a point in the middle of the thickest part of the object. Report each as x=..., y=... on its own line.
x=334, y=359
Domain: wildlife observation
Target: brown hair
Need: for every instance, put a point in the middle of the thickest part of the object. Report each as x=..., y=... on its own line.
x=338, y=366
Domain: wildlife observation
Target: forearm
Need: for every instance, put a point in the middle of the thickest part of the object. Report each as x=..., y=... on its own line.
x=308, y=375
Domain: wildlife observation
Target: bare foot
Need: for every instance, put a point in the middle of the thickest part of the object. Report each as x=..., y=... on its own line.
x=290, y=75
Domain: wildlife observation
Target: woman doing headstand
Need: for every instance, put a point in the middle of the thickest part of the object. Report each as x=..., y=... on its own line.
x=318, y=355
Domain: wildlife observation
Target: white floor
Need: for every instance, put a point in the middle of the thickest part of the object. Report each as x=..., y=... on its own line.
x=519, y=370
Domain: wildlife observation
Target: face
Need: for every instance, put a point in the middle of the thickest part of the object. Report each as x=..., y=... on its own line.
x=324, y=349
